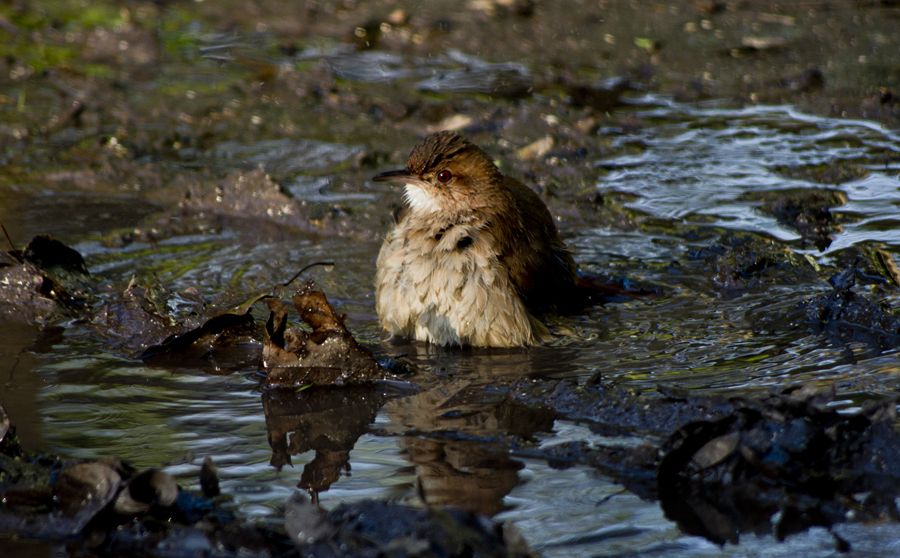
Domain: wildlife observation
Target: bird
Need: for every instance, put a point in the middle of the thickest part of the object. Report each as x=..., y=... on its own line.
x=474, y=257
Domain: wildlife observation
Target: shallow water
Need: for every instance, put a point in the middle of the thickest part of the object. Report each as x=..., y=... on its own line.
x=72, y=395
x=700, y=163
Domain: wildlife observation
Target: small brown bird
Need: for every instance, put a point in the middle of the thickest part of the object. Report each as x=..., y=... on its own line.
x=474, y=255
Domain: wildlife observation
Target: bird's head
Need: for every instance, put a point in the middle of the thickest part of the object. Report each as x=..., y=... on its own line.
x=446, y=173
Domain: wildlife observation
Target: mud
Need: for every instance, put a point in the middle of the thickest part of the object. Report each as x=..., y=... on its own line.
x=846, y=316
x=809, y=212
x=789, y=458
x=712, y=164
x=727, y=466
x=42, y=283
x=742, y=262
x=107, y=508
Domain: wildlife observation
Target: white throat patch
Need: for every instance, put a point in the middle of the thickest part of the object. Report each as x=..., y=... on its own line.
x=420, y=201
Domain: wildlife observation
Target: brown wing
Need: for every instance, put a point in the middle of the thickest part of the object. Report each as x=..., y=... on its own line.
x=539, y=264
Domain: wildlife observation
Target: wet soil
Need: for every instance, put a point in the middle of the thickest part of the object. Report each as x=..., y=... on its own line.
x=733, y=163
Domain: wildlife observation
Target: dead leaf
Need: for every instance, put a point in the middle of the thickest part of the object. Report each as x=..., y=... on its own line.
x=327, y=355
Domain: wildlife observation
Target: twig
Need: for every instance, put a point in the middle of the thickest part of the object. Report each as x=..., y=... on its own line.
x=12, y=246
x=299, y=273
x=71, y=114
x=609, y=497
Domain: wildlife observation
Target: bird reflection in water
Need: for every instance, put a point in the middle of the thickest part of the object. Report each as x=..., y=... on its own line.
x=327, y=420
x=458, y=436
x=456, y=432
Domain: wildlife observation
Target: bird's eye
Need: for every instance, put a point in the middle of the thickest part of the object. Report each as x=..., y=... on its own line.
x=444, y=176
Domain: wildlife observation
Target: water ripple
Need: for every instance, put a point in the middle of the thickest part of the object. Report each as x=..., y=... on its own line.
x=702, y=162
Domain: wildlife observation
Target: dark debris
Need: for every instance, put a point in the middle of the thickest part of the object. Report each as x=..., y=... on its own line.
x=744, y=261
x=326, y=355
x=790, y=454
x=844, y=315
x=806, y=211
x=45, y=282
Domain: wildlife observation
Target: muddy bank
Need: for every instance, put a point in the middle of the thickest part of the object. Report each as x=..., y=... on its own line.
x=832, y=58
x=197, y=155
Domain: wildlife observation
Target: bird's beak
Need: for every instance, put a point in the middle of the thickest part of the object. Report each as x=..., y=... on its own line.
x=401, y=176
